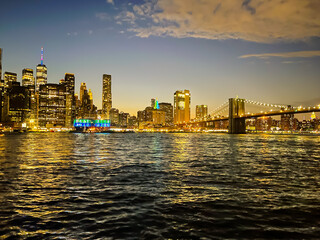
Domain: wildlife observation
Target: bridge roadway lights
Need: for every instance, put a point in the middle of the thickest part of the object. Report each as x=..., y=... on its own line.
x=236, y=108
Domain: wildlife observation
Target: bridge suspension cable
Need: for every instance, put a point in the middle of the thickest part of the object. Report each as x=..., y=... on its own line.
x=219, y=109
x=266, y=104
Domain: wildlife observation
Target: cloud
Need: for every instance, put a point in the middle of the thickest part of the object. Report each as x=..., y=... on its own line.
x=110, y=1
x=72, y=34
x=298, y=54
x=251, y=20
x=125, y=16
x=90, y=32
x=102, y=16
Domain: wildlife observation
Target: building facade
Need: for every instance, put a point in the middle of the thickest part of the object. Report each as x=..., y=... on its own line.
x=106, y=96
x=27, y=77
x=0, y=63
x=69, y=82
x=41, y=76
x=114, y=117
x=9, y=79
x=182, y=100
x=52, y=105
x=168, y=109
x=16, y=105
x=201, y=111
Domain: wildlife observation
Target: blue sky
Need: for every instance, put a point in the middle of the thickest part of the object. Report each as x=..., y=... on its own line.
x=267, y=51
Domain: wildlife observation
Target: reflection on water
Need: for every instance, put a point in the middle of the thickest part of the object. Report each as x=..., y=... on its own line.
x=86, y=186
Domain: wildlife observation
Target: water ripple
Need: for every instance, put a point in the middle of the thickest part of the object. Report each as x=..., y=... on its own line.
x=179, y=186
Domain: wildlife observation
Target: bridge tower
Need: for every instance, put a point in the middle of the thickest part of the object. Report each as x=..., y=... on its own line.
x=236, y=109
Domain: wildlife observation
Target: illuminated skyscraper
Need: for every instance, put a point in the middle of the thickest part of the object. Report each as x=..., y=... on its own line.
x=168, y=109
x=83, y=88
x=27, y=77
x=201, y=111
x=91, y=97
x=182, y=100
x=114, y=116
x=0, y=63
x=29, y=83
x=42, y=72
x=52, y=105
x=17, y=104
x=106, y=96
x=69, y=80
x=9, y=78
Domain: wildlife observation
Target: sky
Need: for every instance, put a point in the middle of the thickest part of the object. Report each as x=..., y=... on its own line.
x=266, y=51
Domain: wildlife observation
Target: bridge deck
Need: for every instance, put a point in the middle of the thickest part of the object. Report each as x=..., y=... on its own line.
x=264, y=114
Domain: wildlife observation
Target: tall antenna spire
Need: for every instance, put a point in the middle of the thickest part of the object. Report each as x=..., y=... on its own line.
x=42, y=56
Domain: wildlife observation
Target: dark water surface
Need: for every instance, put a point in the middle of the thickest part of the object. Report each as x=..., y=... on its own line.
x=145, y=186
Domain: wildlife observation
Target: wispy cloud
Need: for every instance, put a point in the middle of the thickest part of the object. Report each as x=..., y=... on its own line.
x=102, y=16
x=298, y=54
x=251, y=20
x=126, y=16
x=110, y=1
x=72, y=34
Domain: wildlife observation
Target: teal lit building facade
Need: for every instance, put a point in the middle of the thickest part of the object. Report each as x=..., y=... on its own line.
x=87, y=123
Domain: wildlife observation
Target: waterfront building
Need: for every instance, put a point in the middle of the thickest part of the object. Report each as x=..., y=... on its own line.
x=201, y=112
x=106, y=96
x=286, y=122
x=52, y=105
x=0, y=63
x=168, y=109
x=123, y=119
x=69, y=81
x=77, y=104
x=155, y=115
x=86, y=105
x=83, y=87
x=9, y=79
x=158, y=117
x=141, y=116
x=41, y=76
x=114, y=116
x=91, y=97
x=1, y=98
x=41, y=73
x=16, y=105
x=148, y=114
x=132, y=122
x=153, y=102
x=27, y=77
x=182, y=100
x=33, y=97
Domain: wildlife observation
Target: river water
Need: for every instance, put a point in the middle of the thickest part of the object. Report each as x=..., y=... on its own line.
x=159, y=186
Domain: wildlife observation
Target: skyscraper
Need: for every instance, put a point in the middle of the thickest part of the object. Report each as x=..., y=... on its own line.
x=52, y=105
x=168, y=109
x=27, y=77
x=0, y=63
x=201, y=111
x=41, y=73
x=91, y=97
x=182, y=100
x=9, y=78
x=83, y=88
x=69, y=80
x=106, y=96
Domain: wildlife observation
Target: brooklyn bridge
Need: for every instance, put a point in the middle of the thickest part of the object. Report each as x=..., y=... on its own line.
x=237, y=115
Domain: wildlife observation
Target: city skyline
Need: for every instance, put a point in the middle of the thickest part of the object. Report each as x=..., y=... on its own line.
x=147, y=61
